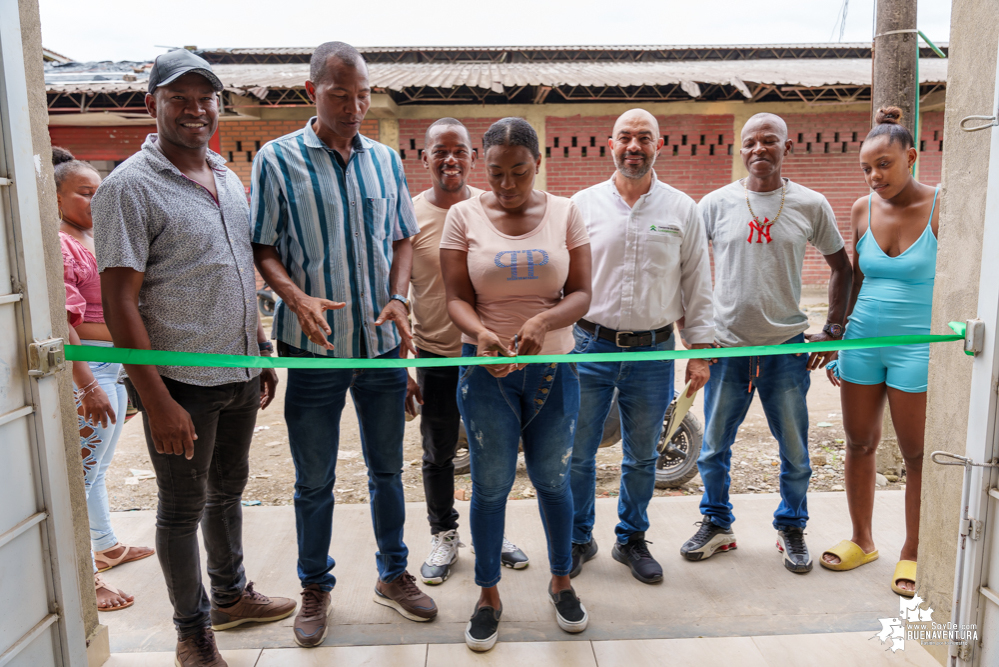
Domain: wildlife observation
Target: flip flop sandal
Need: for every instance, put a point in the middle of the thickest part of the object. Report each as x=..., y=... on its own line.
x=905, y=570
x=99, y=583
x=850, y=556
x=105, y=563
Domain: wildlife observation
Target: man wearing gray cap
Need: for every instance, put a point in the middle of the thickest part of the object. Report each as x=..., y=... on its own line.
x=172, y=234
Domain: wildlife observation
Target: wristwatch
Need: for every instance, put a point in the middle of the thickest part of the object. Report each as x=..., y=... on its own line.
x=833, y=330
x=265, y=346
x=399, y=297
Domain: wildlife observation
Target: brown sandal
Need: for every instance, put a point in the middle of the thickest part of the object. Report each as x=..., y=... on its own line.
x=99, y=583
x=105, y=563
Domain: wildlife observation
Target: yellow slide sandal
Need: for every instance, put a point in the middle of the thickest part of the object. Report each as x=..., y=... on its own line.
x=850, y=556
x=906, y=569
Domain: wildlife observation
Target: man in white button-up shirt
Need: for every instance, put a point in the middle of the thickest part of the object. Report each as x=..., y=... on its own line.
x=650, y=269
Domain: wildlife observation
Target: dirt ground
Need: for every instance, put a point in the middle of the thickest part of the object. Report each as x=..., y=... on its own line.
x=755, y=464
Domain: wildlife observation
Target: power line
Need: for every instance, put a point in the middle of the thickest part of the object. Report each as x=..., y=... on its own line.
x=841, y=21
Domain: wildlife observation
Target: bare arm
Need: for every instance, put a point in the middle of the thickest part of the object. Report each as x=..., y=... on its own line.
x=309, y=310
x=170, y=425
x=839, y=291
x=95, y=407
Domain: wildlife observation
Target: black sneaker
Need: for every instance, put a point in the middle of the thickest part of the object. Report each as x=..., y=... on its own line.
x=791, y=543
x=707, y=541
x=511, y=556
x=636, y=555
x=443, y=554
x=569, y=611
x=582, y=553
x=483, y=628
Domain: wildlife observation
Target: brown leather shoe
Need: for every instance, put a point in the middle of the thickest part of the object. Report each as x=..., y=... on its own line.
x=405, y=597
x=312, y=622
x=199, y=650
x=252, y=607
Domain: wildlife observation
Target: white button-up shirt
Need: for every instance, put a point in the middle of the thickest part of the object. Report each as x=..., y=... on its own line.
x=650, y=262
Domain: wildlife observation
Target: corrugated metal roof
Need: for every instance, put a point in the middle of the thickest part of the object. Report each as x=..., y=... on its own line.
x=497, y=76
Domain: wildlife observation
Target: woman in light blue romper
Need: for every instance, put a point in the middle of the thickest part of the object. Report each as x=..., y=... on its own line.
x=894, y=267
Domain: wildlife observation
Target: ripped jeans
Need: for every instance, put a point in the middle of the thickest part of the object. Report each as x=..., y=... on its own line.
x=538, y=404
x=99, y=444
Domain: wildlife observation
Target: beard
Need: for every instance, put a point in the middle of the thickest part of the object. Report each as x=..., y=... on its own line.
x=634, y=173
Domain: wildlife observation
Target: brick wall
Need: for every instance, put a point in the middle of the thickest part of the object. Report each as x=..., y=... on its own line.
x=113, y=143
x=411, y=139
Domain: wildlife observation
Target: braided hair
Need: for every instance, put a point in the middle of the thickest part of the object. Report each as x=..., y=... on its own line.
x=887, y=124
x=511, y=131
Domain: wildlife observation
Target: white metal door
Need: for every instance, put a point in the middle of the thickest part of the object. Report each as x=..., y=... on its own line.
x=40, y=621
x=976, y=602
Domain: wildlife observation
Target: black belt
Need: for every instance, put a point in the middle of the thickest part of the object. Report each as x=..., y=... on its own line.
x=628, y=338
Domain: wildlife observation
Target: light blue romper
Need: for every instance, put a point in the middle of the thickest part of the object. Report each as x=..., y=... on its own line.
x=896, y=299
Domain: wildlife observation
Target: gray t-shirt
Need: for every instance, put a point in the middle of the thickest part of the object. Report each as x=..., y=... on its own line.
x=758, y=279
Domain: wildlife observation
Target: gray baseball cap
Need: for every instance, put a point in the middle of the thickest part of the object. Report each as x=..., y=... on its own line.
x=177, y=63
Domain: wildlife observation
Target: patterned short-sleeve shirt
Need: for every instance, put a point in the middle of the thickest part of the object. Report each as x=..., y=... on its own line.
x=199, y=289
x=333, y=226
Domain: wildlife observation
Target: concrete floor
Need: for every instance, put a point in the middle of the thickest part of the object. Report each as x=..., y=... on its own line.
x=737, y=596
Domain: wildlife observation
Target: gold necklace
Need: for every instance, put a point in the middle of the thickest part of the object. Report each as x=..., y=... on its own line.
x=766, y=223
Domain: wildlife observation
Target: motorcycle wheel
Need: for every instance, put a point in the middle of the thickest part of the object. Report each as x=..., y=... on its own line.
x=677, y=462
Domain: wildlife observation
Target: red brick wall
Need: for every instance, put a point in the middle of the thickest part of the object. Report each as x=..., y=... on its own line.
x=100, y=142
x=411, y=138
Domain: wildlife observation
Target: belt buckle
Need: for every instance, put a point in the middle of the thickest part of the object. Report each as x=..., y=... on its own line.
x=617, y=338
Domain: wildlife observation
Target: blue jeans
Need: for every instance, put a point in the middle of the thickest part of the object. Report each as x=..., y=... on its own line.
x=539, y=404
x=99, y=445
x=645, y=392
x=313, y=404
x=782, y=381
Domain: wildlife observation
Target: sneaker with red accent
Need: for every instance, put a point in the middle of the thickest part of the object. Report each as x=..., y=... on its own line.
x=707, y=541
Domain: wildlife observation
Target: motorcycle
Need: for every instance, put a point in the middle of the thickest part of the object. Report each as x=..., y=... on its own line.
x=677, y=462
x=266, y=301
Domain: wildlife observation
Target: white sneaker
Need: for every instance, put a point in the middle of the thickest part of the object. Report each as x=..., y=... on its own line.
x=443, y=554
x=511, y=556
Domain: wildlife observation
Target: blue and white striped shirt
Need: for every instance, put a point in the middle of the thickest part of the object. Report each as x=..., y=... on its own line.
x=334, y=229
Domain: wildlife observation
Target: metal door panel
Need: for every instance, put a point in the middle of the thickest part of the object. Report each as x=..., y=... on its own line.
x=22, y=585
x=40, y=651
x=12, y=390
x=15, y=449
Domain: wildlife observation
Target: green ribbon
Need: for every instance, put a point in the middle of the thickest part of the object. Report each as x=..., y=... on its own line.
x=118, y=355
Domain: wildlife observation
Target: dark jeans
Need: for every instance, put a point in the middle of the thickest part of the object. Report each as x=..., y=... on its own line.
x=439, y=426
x=312, y=407
x=204, y=491
x=538, y=404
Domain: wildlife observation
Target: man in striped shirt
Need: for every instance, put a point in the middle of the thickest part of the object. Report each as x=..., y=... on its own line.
x=332, y=217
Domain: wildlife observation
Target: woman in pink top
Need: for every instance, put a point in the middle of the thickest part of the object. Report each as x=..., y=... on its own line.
x=100, y=400
x=516, y=267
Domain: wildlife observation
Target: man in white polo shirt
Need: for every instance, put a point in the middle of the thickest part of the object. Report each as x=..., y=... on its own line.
x=650, y=269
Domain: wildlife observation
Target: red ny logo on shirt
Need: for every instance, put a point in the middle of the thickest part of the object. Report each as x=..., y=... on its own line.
x=762, y=230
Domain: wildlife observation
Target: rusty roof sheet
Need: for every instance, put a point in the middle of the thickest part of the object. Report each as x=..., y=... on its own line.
x=499, y=76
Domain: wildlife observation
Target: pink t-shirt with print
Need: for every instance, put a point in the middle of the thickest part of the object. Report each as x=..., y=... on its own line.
x=517, y=277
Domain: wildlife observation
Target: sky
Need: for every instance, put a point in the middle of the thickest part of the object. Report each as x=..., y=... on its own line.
x=130, y=30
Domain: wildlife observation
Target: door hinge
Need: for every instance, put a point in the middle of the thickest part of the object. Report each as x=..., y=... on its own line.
x=971, y=528
x=964, y=651
x=46, y=357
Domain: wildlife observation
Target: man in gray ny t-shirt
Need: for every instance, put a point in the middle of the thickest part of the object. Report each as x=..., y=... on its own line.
x=759, y=228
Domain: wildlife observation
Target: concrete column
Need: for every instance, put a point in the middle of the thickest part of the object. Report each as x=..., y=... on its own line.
x=388, y=132
x=537, y=117
x=895, y=53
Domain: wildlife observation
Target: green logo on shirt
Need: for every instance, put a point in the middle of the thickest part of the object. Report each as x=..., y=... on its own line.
x=665, y=229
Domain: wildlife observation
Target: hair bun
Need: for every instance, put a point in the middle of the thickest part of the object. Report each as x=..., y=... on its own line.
x=888, y=116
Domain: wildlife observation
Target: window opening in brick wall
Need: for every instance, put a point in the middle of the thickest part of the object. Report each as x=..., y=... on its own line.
x=239, y=146
x=826, y=147
x=676, y=150
x=565, y=151
x=711, y=149
x=574, y=142
x=702, y=139
x=808, y=147
x=683, y=139
x=730, y=149
x=548, y=151
x=801, y=138
x=844, y=146
x=854, y=137
x=693, y=149
x=941, y=146
x=412, y=144
x=556, y=142
x=230, y=156
x=419, y=153
x=721, y=139
x=593, y=142
x=836, y=137
x=666, y=140
x=818, y=137
x=922, y=146
x=402, y=154
x=584, y=151
x=249, y=156
x=603, y=151
x=257, y=144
